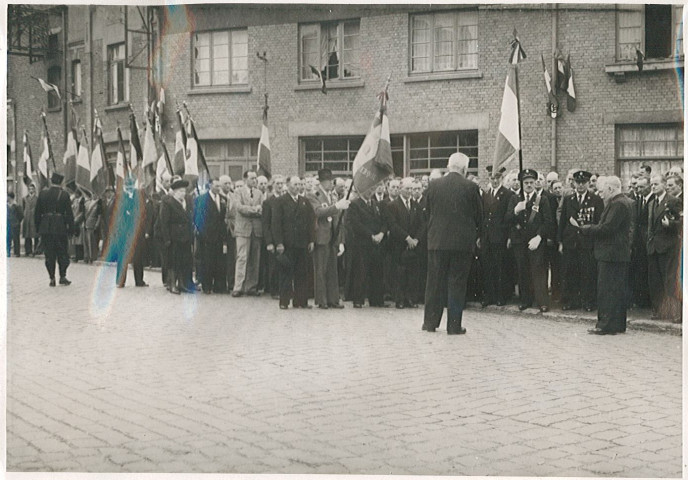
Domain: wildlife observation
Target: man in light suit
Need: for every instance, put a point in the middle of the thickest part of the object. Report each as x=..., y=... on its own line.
x=455, y=215
x=327, y=212
x=248, y=230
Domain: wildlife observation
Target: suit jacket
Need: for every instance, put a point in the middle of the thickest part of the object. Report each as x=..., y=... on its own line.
x=53, y=215
x=494, y=229
x=364, y=221
x=612, y=234
x=588, y=213
x=293, y=222
x=661, y=239
x=209, y=221
x=402, y=223
x=268, y=210
x=326, y=215
x=248, y=220
x=529, y=222
x=29, y=226
x=455, y=212
x=176, y=222
x=14, y=216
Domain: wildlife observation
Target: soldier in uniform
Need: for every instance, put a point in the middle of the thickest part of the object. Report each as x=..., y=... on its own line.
x=580, y=267
x=530, y=220
x=494, y=233
x=55, y=221
x=327, y=210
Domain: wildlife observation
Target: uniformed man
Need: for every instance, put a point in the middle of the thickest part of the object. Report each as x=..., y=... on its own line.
x=494, y=233
x=580, y=267
x=327, y=210
x=530, y=221
x=55, y=221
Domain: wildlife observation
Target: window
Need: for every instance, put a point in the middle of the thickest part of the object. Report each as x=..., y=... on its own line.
x=221, y=58
x=230, y=157
x=660, y=146
x=444, y=42
x=54, y=77
x=333, y=48
x=76, y=78
x=412, y=154
x=53, y=45
x=118, y=75
x=653, y=29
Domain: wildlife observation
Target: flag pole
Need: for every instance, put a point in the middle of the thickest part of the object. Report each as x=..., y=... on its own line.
x=520, y=137
x=264, y=59
x=50, y=145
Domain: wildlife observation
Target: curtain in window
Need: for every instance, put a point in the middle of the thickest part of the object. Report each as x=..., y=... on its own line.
x=630, y=31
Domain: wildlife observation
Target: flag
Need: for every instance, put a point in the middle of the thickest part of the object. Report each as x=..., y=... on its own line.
x=198, y=163
x=180, y=146
x=83, y=167
x=28, y=176
x=164, y=163
x=264, y=162
x=71, y=153
x=135, y=151
x=373, y=162
x=43, y=164
x=562, y=73
x=121, y=166
x=150, y=154
x=552, y=102
x=509, y=135
x=49, y=87
x=570, y=91
x=321, y=77
x=639, y=58
x=99, y=177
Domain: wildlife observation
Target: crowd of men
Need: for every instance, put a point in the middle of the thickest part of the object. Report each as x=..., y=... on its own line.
x=300, y=238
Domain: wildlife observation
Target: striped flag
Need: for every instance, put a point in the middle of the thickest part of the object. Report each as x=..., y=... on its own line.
x=373, y=162
x=43, y=164
x=552, y=102
x=121, y=166
x=83, y=167
x=509, y=135
x=28, y=176
x=321, y=77
x=135, y=152
x=49, y=87
x=180, y=146
x=571, y=90
x=562, y=74
x=198, y=162
x=164, y=163
x=264, y=162
x=99, y=177
x=71, y=153
x=150, y=155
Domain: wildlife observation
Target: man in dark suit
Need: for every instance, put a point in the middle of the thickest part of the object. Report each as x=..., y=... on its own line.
x=422, y=248
x=176, y=226
x=55, y=222
x=272, y=281
x=580, y=268
x=530, y=220
x=209, y=216
x=366, y=230
x=664, y=220
x=493, y=237
x=405, y=223
x=455, y=215
x=293, y=233
x=638, y=276
x=613, y=253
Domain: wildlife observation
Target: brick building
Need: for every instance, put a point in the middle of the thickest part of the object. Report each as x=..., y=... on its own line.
x=447, y=66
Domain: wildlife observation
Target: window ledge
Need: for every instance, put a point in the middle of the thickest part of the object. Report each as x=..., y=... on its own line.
x=54, y=109
x=331, y=85
x=118, y=106
x=430, y=77
x=620, y=69
x=216, y=90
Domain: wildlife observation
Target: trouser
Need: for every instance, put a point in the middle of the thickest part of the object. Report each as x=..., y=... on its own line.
x=326, y=275
x=580, y=277
x=13, y=238
x=230, y=262
x=181, y=265
x=29, y=243
x=611, y=298
x=294, y=278
x=137, y=260
x=404, y=276
x=662, y=278
x=388, y=269
x=447, y=282
x=247, y=264
x=494, y=282
x=164, y=261
x=55, y=247
x=273, y=285
x=90, y=247
x=366, y=275
x=639, y=275
x=554, y=261
x=263, y=272
x=532, y=275
x=422, y=276
x=213, y=270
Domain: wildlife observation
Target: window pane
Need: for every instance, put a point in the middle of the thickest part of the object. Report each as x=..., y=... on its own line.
x=240, y=77
x=240, y=37
x=336, y=144
x=239, y=50
x=236, y=148
x=629, y=32
x=220, y=38
x=202, y=39
x=418, y=141
x=443, y=139
x=678, y=30
x=221, y=77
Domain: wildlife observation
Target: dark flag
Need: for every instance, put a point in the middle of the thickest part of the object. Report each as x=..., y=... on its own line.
x=570, y=90
x=264, y=162
x=552, y=101
x=321, y=77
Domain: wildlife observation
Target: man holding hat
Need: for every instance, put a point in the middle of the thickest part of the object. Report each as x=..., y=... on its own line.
x=327, y=208
x=580, y=267
x=530, y=220
x=176, y=228
x=55, y=222
x=493, y=237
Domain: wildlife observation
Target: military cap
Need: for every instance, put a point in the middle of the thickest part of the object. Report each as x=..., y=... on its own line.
x=324, y=174
x=527, y=173
x=499, y=173
x=56, y=178
x=581, y=176
x=181, y=183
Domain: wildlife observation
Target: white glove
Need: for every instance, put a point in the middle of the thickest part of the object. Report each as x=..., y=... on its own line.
x=341, y=250
x=342, y=204
x=520, y=206
x=534, y=242
x=573, y=222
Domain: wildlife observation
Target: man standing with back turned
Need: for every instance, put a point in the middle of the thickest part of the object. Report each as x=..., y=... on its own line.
x=455, y=213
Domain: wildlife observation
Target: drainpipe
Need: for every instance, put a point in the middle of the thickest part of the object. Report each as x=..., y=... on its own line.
x=553, y=131
x=90, y=71
x=65, y=112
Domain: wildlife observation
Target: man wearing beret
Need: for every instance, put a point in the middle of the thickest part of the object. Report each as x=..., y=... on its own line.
x=176, y=226
x=55, y=222
x=530, y=220
x=580, y=267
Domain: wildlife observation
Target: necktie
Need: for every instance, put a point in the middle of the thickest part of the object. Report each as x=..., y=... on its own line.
x=251, y=191
x=580, y=199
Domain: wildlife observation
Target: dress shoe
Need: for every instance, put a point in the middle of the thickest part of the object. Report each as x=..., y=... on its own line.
x=589, y=308
x=64, y=281
x=187, y=289
x=284, y=307
x=275, y=297
x=501, y=304
x=428, y=329
x=400, y=306
x=484, y=303
x=144, y=284
x=120, y=285
x=410, y=305
x=52, y=282
x=207, y=292
x=237, y=293
x=380, y=305
x=324, y=307
x=656, y=316
x=336, y=305
x=174, y=290
x=253, y=294
x=599, y=331
x=460, y=331
x=524, y=306
x=544, y=309
x=570, y=307
x=358, y=305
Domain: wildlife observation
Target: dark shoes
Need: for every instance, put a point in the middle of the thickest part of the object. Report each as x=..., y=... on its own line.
x=544, y=309
x=599, y=331
x=428, y=329
x=144, y=284
x=484, y=303
x=524, y=306
x=570, y=307
x=460, y=331
x=64, y=281
x=174, y=290
x=52, y=282
x=501, y=303
x=253, y=294
x=335, y=305
x=358, y=305
x=400, y=305
x=284, y=307
x=324, y=307
x=237, y=293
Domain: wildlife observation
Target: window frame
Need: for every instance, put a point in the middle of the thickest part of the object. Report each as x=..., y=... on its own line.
x=619, y=161
x=673, y=31
x=225, y=161
x=211, y=58
x=77, y=85
x=124, y=97
x=340, y=52
x=455, y=43
x=54, y=102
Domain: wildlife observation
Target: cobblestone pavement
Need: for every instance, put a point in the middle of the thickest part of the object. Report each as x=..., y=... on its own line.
x=162, y=383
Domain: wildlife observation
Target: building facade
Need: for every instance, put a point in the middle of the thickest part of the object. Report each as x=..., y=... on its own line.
x=446, y=64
